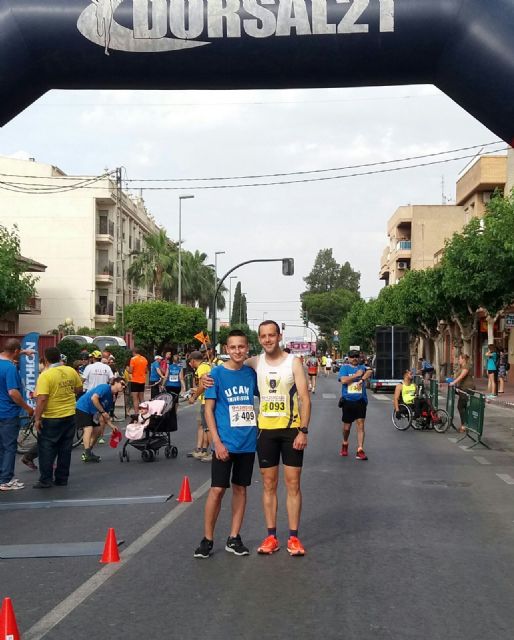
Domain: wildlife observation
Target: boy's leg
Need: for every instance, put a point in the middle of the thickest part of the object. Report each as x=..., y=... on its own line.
x=212, y=510
x=238, y=509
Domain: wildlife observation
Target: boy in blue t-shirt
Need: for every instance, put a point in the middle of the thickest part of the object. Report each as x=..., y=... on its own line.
x=232, y=422
x=353, y=378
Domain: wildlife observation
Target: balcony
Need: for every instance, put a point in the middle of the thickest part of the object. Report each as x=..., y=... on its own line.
x=104, y=312
x=404, y=245
x=105, y=273
x=32, y=308
x=105, y=232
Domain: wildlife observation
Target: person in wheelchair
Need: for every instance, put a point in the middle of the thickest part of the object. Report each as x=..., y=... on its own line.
x=411, y=395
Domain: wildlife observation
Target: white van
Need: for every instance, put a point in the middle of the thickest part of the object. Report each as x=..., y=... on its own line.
x=104, y=342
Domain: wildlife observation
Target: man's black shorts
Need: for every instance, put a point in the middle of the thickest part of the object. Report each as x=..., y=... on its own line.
x=83, y=420
x=137, y=387
x=241, y=467
x=274, y=443
x=354, y=410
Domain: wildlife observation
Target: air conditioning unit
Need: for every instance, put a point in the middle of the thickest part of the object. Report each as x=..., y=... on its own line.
x=402, y=265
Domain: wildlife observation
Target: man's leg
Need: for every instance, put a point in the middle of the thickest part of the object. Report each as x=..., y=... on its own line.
x=314, y=384
x=64, y=447
x=360, y=433
x=9, y=431
x=97, y=431
x=135, y=401
x=347, y=426
x=47, y=448
x=87, y=438
x=294, y=496
x=269, y=495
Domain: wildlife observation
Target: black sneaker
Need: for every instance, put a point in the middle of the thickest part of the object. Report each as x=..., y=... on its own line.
x=235, y=545
x=205, y=548
x=91, y=457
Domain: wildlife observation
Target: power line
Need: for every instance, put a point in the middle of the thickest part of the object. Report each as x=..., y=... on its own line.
x=24, y=188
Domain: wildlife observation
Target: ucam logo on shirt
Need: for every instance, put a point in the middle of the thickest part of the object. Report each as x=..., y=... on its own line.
x=171, y=25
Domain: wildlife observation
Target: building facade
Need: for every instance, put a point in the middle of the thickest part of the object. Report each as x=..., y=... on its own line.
x=85, y=230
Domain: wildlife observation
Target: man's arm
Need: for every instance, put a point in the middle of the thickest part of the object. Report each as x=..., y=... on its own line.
x=353, y=377
x=17, y=398
x=41, y=402
x=220, y=449
x=396, y=397
x=300, y=442
x=252, y=362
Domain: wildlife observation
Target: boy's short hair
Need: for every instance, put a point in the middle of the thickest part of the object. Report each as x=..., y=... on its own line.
x=237, y=333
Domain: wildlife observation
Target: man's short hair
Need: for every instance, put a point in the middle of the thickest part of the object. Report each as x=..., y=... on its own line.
x=196, y=355
x=266, y=322
x=52, y=355
x=237, y=333
x=11, y=345
x=118, y=379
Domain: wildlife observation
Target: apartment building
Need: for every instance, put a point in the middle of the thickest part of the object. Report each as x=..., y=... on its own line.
x=84, y=230
x=417, y=233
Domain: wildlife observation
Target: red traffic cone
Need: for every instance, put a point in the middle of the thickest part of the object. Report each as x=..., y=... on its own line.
x=111, y=553
x=185, y=491
x=8, y=627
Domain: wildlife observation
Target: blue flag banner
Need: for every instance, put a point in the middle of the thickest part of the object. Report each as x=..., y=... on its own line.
x=29, y=368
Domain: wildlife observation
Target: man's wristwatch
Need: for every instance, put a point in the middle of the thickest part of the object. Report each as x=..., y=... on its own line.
x=303, y=430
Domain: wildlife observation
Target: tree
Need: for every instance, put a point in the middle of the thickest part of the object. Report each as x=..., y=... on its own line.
x=239, y=308
x=156, y=265
x=198, y=282
x=348, y=278
x=324, y=274
x=157, y=324
x=16, y=286
x=328, y=309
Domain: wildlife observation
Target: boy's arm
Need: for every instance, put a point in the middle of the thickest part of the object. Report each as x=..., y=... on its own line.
x=219, y=448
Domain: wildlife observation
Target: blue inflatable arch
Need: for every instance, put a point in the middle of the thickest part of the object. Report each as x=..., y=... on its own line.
x=464, y=47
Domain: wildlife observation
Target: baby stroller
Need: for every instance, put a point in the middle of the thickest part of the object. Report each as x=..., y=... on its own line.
x=150, y=430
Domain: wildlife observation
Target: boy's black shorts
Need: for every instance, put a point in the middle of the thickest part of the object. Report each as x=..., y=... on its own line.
x=240, y=465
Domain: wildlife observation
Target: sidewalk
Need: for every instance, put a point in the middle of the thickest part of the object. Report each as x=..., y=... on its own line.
x=503, y=399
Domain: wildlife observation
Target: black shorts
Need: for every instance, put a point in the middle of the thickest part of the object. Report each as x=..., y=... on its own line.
x=354, y=410
x=274, y=443
x=83, y=420
x=137, y=387
x=240, y=465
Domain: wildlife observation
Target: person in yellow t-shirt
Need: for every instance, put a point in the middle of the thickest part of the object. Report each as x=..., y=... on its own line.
x=54, y=419
x=203, y=439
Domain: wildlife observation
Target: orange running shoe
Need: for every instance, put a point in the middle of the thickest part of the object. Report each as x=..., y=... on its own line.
x=295, y=547
x=269, y=545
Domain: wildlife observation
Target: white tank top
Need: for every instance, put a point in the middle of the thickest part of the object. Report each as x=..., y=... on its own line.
x=278, y=394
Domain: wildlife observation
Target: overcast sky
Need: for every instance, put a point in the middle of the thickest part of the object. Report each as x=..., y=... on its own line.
x=232, y=133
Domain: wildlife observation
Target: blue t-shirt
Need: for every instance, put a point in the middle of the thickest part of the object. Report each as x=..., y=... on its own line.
x=9, y=380
x=355, y=390
x=234, y=392
x=492, y=361
x=85, y=404
x=173, y=379
x=154, y=367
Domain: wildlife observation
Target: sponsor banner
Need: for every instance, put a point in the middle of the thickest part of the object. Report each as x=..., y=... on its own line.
x=29, y=368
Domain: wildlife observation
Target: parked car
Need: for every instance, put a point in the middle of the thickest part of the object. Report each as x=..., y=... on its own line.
x=109, y=341
x=79, y=339
x=337, y=364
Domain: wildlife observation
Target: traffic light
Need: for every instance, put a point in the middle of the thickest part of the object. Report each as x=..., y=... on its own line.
x=288, y=266
x=283, y=327
x=305, y=317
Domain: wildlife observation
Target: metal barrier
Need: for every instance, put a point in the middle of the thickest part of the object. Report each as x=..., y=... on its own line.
x=434, y=393
x=475, y=413
x=450, y=405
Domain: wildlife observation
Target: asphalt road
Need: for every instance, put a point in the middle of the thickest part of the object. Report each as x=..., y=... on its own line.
x=415, y=543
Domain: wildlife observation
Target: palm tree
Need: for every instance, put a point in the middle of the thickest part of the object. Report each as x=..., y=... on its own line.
x=198, y=281
x=155, y=265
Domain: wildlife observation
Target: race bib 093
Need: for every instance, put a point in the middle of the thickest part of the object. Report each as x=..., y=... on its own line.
x=273, y=406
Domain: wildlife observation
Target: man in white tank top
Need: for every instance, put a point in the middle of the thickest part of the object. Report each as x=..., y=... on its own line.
x=285, y=410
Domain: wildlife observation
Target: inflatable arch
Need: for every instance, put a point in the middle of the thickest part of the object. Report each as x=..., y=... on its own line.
x=464, y=47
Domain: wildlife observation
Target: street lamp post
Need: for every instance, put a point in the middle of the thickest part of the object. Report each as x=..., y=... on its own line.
x=180, y=198
x=287, y=270
x=230, y=298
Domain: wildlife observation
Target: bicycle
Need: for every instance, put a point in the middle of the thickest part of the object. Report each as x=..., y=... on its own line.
x=27, y=436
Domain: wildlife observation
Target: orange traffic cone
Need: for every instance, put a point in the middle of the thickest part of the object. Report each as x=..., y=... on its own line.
x=111, y=553
x=185, y=491
x=8, y=626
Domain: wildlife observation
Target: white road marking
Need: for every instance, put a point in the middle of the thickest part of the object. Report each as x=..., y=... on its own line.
x=506, y=478
x=454, y=440
x=386, y=398
x=69, y=604
x=482, y=460
x=463, y=447
x=329, y=396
